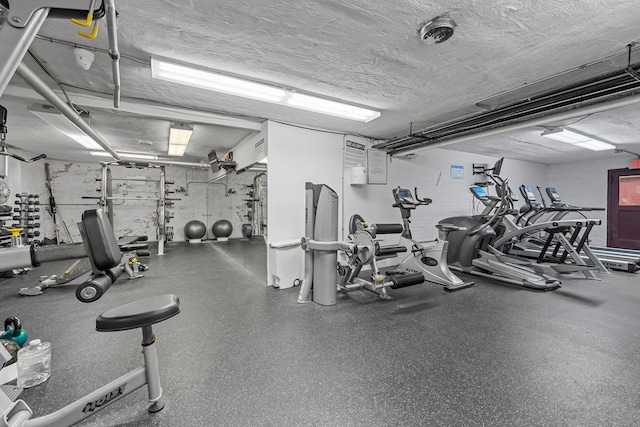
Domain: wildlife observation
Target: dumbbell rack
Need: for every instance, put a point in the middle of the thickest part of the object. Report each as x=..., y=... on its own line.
x=26, y=215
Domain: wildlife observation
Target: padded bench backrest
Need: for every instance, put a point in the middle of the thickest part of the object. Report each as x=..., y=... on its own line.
x=102, y=246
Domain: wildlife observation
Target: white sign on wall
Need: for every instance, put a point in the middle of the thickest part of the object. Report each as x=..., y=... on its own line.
x=376, y=166
x=354, y=154
x=457, y=172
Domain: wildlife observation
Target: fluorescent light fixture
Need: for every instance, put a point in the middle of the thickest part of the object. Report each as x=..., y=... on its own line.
x=578, y=139
x=332, y=108
x=141, y=156
x=210, y=80
x=213, y=81
x=596, y=145
x=179, y=136
x=64, y=125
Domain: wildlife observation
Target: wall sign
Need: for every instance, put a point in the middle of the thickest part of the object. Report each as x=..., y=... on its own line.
x=376, y=166
x=354, y=154
x=457, y=172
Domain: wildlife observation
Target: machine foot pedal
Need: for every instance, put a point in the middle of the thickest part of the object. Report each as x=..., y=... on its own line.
x=452, y=288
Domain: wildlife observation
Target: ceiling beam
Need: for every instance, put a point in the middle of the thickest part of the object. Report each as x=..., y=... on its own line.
x=145, y=109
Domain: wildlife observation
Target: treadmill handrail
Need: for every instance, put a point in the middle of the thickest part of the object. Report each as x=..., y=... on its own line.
x=543, y=226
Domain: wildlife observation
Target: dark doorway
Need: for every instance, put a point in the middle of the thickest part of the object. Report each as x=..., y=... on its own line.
x=623, y=209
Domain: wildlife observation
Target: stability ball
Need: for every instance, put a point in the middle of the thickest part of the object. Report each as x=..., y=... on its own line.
x=222, y=229
x=194, y=231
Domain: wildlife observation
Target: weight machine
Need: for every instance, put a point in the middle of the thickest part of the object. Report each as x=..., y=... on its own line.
x=106, y=198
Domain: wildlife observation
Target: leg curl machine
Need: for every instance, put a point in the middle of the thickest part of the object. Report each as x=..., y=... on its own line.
x=104, y=253
x=321, y=248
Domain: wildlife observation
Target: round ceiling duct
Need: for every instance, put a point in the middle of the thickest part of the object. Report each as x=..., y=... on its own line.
x=437, y=30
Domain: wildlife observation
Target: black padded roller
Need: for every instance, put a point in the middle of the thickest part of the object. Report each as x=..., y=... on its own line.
x=390, y=250
x=404, y=280
x=388, y=228
x=94, y=288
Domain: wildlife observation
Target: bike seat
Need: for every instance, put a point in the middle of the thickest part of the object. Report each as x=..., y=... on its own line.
x=138, y=313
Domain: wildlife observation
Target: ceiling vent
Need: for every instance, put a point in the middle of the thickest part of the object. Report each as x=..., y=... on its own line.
x=437, y=30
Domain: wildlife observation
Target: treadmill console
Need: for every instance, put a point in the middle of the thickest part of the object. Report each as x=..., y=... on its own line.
x=479, y=193
x=527, y=193
x=553, y=195
x=403, y=195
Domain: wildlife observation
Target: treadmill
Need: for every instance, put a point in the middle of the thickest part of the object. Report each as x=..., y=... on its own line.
x=617, y=259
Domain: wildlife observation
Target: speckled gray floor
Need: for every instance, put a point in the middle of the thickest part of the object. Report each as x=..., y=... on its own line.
x=242, y=354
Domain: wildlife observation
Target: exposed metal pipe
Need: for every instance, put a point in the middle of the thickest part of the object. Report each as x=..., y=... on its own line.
x=6, y=168
x=162, y=212
x=45, y=91
x=87, y=47
x=592, y=109
x=620, y=150
x=39, y=86
x=112, y=27
x=14, y=43
x=202, y=165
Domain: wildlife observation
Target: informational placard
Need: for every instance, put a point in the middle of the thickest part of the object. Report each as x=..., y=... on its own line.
x=457, y=172
x=355, y=154
x=376, y=166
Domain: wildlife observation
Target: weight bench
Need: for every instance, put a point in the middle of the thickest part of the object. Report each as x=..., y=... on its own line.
x=104, y=254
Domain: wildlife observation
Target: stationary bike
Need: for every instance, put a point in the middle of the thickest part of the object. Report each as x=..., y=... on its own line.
x=105, y=256
x=431, y=260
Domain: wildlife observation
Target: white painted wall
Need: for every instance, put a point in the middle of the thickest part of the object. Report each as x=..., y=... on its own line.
x=297, y=156
x=585, y=184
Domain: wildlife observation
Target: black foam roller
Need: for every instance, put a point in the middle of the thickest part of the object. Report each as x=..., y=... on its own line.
x=404, y=280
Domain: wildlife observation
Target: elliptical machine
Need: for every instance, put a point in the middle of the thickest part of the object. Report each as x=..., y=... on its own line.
x=430, y=260
x=472, y=250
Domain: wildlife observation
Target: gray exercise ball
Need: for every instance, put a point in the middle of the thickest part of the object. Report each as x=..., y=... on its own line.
x=222, y=228
x=195, y=229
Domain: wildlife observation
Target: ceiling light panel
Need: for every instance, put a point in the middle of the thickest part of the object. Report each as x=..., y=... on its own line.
x=332, y=108
x=596, y=145
x=213, y=81
x=578, y=139
x=179, y=137
x=210, y=80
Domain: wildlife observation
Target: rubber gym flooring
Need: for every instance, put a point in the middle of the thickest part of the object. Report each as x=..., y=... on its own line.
x=243, y=354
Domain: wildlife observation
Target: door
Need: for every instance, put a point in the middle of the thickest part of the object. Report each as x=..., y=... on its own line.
x=623, y=209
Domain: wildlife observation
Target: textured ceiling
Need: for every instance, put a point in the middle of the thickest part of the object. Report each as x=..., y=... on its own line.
x=363, y=52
